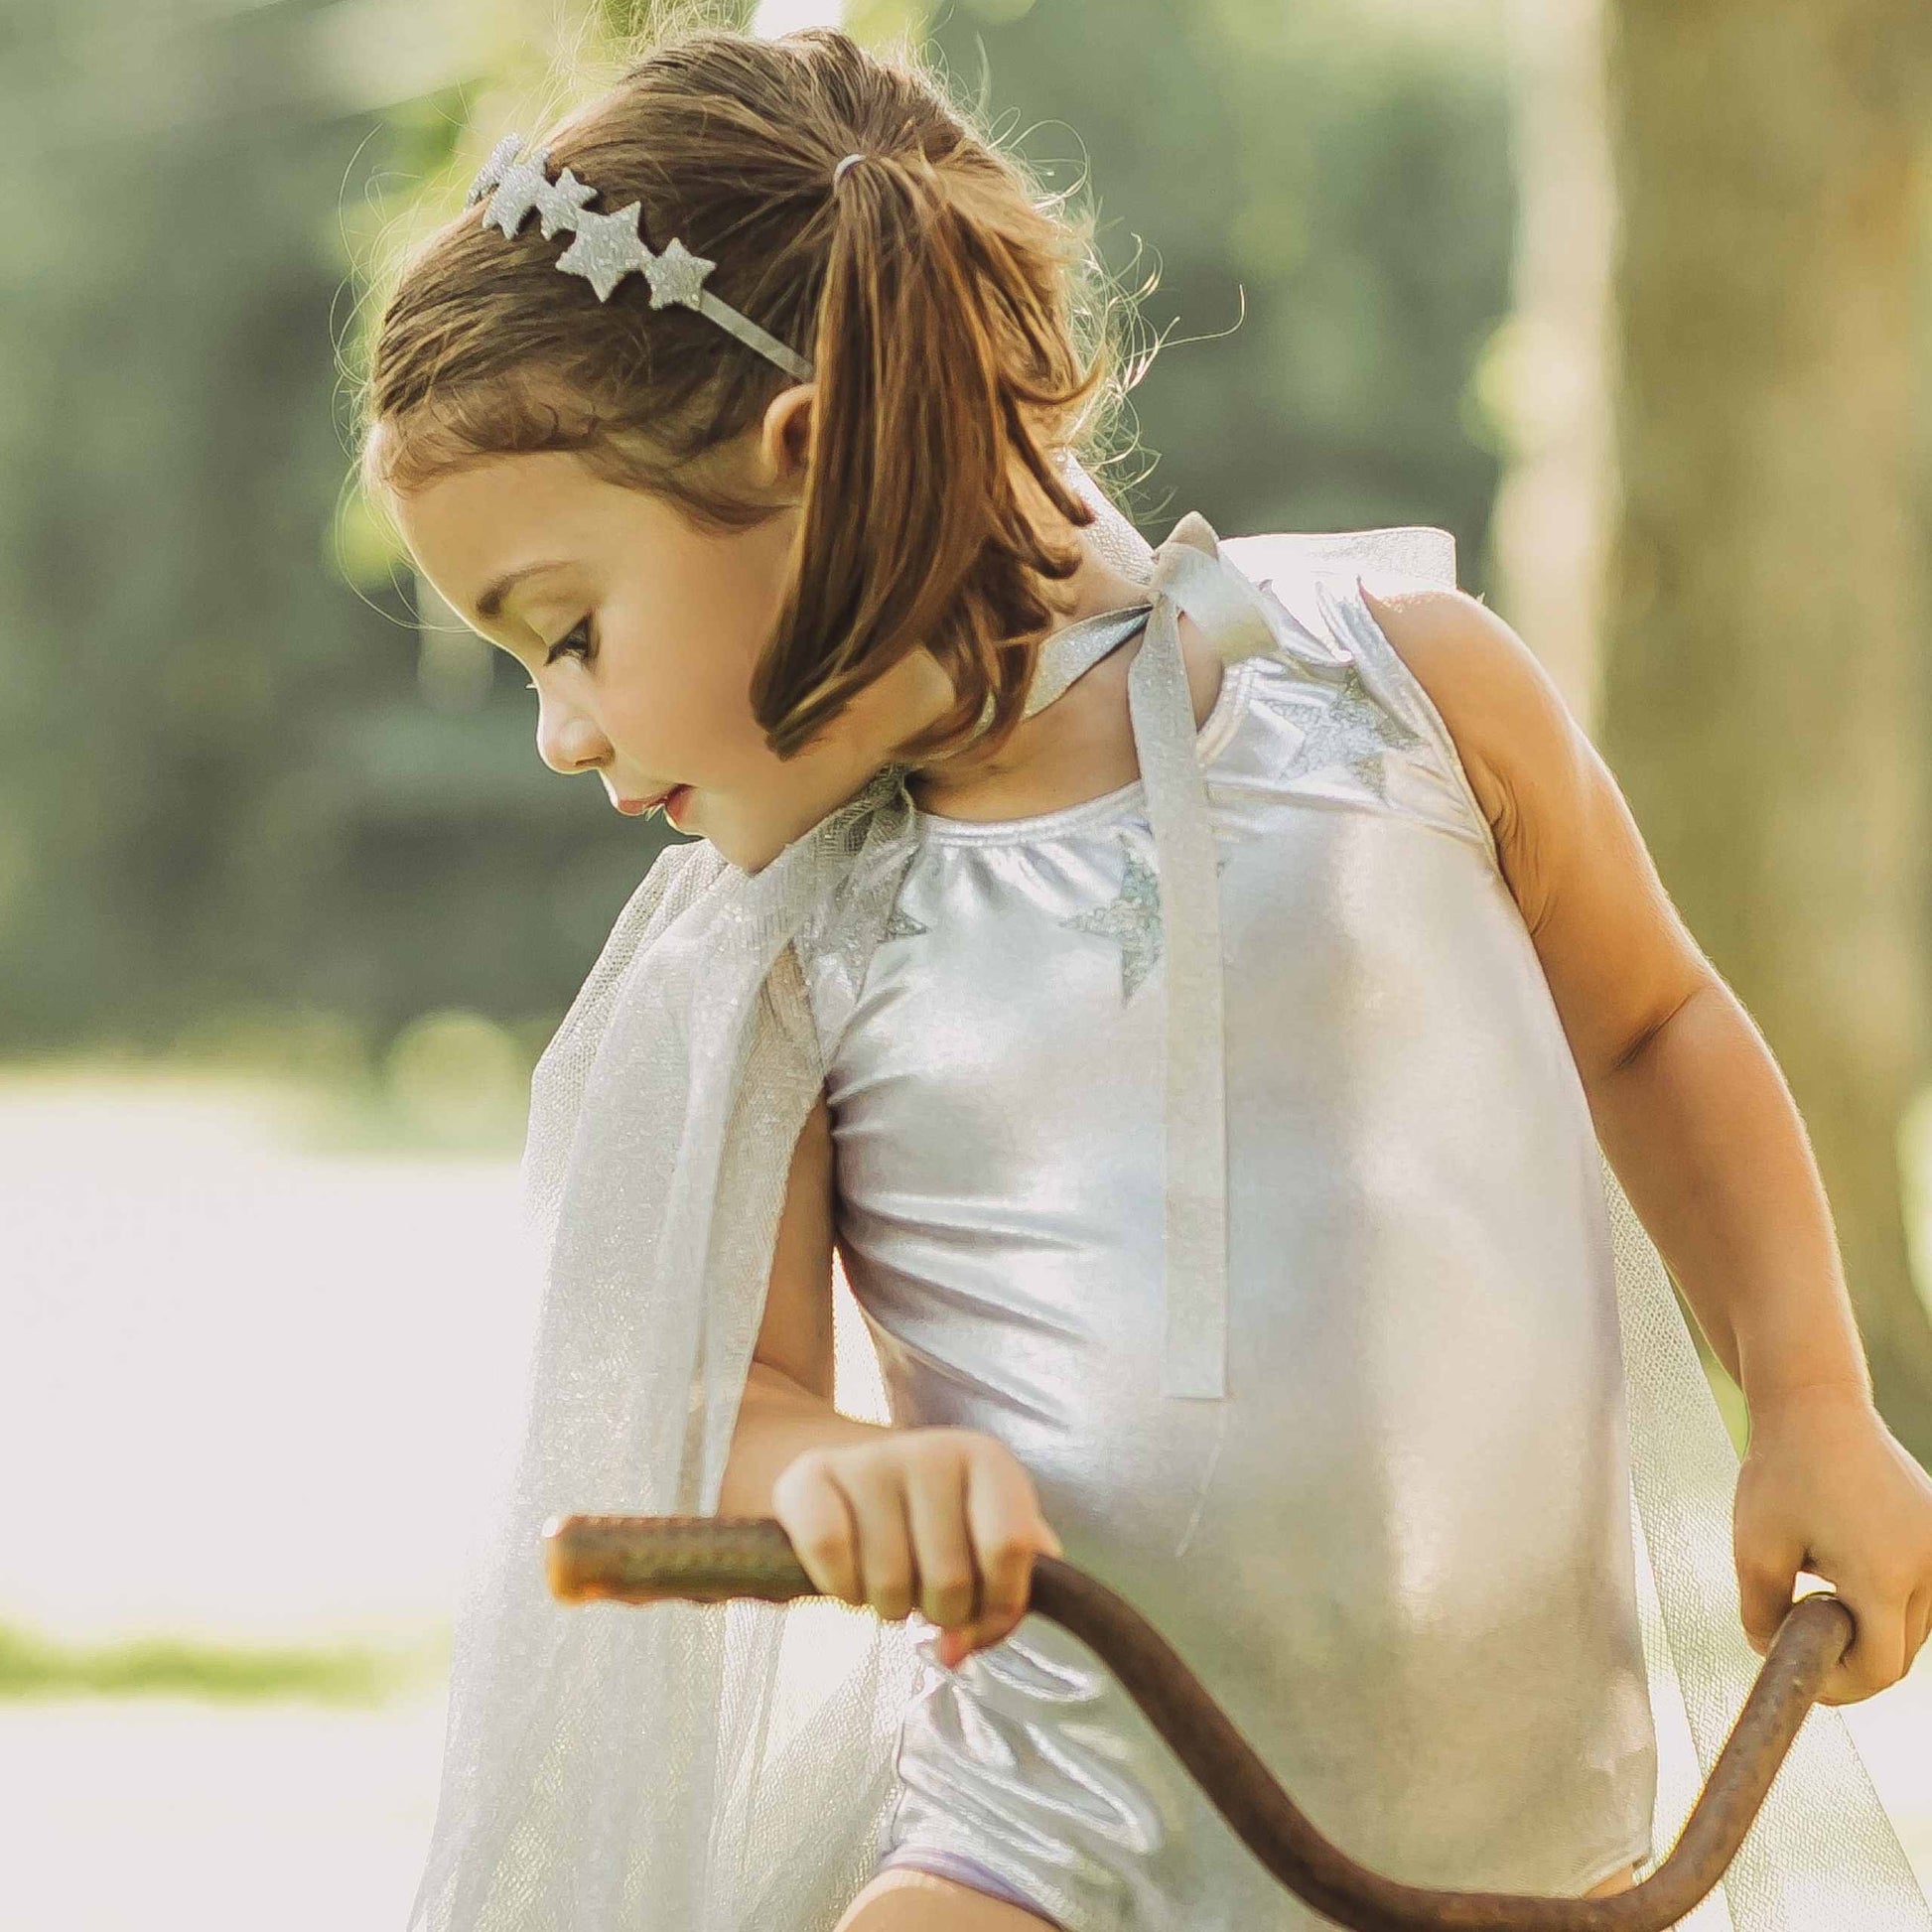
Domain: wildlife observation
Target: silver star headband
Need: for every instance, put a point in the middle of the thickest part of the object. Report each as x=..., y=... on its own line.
x=607, y=248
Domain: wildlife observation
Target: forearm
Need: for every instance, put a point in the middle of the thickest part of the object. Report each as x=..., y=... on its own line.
x=1711, y=1148
x=779, y=1421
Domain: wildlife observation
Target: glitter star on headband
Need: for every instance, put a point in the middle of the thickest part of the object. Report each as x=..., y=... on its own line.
x=605, y=247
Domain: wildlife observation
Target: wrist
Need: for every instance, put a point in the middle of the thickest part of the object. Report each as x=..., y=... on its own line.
x=1819, y=1395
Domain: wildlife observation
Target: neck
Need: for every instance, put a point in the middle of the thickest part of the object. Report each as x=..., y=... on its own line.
x=943, y=782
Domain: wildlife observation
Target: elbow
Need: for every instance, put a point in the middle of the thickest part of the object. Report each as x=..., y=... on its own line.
x=1639, y=1039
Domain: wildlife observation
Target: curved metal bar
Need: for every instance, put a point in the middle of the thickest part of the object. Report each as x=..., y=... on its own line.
x=710, y=1560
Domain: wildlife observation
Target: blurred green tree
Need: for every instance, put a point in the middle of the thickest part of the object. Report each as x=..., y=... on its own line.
x=222, y=793
x=236, y=782
x=1324, y=196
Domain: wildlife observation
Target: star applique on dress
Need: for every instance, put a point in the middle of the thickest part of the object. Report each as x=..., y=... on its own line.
x=845, y=936
x=1131, y=918
x=1349, y=728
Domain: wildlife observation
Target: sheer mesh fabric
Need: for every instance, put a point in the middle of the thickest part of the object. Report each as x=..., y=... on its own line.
x=1823, y=1851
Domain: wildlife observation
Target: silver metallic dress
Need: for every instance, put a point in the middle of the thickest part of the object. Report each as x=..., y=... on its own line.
x=1399, y=1551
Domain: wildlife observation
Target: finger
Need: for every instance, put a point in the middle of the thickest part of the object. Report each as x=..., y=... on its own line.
x=1918, y=1623
x=1876, y=1657
x=942, y=1558
x=874, y=1486
x=1003, y=1515
x=1766, y=1575
x=814, y=1513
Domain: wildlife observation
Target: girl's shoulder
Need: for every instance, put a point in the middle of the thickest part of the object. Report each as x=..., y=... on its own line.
x=1554, y=807
x=1364, y=722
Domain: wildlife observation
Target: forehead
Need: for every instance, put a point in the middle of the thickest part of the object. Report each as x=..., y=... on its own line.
x=469, y=526
x=497, y=499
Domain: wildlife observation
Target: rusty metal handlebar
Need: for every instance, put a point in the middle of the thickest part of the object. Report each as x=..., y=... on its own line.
x=710, y=1560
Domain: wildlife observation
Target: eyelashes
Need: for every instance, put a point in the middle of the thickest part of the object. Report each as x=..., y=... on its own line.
x=577, y=644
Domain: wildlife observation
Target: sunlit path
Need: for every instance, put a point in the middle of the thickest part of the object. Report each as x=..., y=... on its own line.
x=243, y=1383
x=169, y=1815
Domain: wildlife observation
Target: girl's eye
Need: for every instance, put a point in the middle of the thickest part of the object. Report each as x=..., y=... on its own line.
x=576, y=644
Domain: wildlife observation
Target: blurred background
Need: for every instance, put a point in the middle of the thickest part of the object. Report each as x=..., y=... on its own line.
x=1631, y=297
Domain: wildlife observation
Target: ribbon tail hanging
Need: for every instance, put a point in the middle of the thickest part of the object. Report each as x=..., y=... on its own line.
x=1190, y=575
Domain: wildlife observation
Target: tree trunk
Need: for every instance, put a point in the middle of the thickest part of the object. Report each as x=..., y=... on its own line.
x=1550, y=374
x=1764, y=702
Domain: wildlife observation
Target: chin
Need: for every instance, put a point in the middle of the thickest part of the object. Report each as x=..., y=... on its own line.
x=746, y=854
x=748, y=859
x=752, y=847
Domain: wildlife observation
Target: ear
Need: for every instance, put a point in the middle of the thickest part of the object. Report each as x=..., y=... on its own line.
x=784, y=437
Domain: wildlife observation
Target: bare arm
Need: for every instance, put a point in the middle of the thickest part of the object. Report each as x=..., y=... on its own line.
x=945, y=1520
x=1691, y=1107
x=788, y=1402
x=1695, y=1118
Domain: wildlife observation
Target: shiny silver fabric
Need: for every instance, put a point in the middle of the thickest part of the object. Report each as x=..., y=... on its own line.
x=1398, y=1548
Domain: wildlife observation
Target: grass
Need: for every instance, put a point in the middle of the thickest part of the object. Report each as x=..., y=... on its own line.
x=345, y=1675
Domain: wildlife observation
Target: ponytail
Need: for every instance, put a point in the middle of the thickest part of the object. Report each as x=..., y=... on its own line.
x=941, y=354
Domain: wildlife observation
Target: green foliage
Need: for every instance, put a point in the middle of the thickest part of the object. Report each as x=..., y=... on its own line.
x=234, y=781
x=220, y=786
x=34, y=1667
x=1324, y=197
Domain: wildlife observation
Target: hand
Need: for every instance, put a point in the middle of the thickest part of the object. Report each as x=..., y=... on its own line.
x=1827, y=1487
x=942, y=1518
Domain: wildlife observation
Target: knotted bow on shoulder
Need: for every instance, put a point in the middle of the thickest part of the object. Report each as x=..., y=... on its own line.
x=1189, y=575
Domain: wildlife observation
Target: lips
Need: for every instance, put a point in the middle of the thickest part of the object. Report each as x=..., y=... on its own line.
x=636, y=807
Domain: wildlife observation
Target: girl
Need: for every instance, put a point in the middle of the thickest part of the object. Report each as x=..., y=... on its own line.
x=1189, y=997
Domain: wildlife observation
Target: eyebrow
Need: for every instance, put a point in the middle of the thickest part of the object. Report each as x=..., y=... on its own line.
x=489, y=606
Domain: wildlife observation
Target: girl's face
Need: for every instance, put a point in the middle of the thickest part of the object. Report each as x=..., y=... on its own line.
x=640, y=633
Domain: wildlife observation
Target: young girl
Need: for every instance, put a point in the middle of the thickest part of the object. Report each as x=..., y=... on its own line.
x=1189, y=989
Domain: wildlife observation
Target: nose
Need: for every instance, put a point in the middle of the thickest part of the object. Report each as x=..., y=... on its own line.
x=568, y=739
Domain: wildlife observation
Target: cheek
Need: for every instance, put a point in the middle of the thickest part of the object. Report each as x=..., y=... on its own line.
x=675, y=710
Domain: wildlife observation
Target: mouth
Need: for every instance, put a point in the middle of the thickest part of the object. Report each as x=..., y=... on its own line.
x=672, y=800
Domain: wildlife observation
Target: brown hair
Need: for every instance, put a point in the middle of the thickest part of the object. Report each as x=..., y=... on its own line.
x=939, y=294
